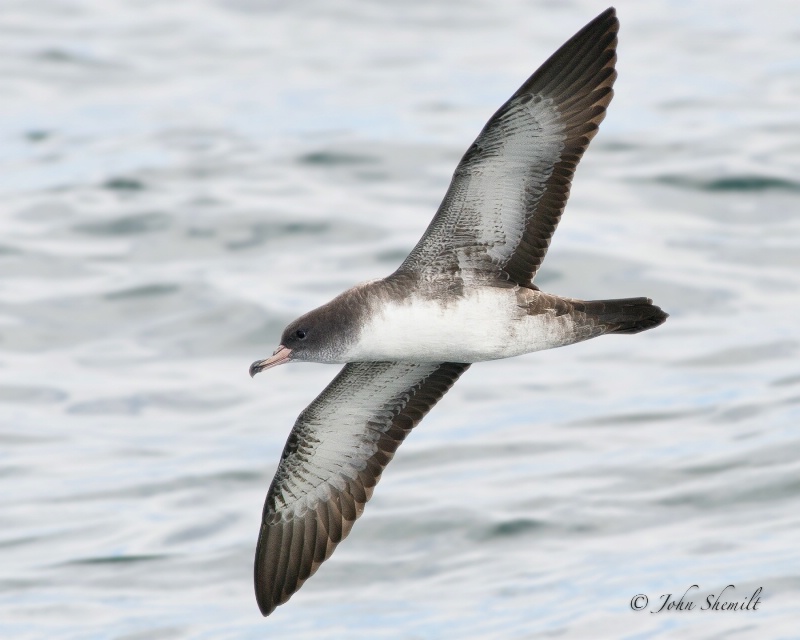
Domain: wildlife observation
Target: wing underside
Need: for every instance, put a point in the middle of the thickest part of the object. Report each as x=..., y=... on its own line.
x=332, y=461
x=508, y=192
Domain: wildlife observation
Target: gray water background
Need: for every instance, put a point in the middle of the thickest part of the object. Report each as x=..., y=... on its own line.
x=179, y=180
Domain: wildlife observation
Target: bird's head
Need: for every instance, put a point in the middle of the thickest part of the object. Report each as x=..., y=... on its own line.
x=322, y=335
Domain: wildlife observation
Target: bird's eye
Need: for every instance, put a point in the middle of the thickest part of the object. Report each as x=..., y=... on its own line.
x=300, y=334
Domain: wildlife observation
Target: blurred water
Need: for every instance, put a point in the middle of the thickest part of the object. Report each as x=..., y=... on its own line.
x=179, y=181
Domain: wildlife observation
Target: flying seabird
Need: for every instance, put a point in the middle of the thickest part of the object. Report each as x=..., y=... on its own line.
x=464, y=294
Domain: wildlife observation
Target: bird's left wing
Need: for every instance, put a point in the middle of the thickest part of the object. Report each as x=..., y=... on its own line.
x=332, y=461
x=510, y=188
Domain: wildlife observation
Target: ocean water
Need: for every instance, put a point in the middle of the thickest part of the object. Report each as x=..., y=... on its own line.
x=179, y=180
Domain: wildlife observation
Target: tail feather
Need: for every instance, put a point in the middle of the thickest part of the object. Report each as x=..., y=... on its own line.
x=625, y=315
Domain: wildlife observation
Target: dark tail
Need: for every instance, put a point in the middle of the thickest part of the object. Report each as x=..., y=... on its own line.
x=626, y=315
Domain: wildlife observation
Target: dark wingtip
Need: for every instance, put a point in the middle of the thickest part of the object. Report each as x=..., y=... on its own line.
x=265, y=599
x=611, y=12
x=583, y=50
x=266, y=607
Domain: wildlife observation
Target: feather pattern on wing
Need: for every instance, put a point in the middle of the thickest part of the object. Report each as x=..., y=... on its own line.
x=510, y=188
x=332, y=461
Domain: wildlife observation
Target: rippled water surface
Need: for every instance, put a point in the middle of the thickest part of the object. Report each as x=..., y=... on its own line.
x=179, y=180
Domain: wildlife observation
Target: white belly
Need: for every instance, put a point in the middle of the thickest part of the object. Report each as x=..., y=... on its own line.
x=486, y=324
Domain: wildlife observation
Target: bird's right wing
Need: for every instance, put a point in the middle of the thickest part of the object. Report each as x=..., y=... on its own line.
x=333, y=459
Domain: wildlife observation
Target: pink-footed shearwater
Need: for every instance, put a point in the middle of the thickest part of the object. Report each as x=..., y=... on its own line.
x=464, y=294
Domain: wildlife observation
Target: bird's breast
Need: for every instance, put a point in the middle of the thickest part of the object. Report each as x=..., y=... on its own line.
x=483, y=324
